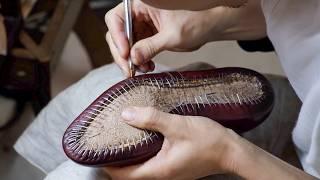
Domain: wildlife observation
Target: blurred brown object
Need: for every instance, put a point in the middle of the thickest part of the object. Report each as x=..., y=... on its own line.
x=26, y=7
x=91, y=30
x=3, y=37
x=36, y=32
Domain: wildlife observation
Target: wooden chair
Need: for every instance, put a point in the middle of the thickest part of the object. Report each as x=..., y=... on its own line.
x=31, y=57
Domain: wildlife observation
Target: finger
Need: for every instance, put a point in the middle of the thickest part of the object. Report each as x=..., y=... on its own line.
x=148, y=67
x=115, y=22
x=146, y=170
x=130, y=172
x=122, y=63
x=143, y=68
x=152, y=119
x=145, y=49
x=152, y=66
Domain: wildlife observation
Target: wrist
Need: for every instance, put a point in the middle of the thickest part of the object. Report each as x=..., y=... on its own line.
x=232, y=153
x=244, y=23
x=238, y=156
x=243, y=158
x=251, y=162
x=219, y=20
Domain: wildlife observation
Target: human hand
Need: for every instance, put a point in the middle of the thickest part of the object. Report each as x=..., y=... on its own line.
x=193, y=146
x=156, y=30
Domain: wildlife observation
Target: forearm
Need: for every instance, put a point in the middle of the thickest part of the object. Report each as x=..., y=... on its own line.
x=194, y=5
x=244, y=23
x=251, y=162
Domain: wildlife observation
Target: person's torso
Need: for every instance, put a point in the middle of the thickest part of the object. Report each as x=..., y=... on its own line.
x=293, y=26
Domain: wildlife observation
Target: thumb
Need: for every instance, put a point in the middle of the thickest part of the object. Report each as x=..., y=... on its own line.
x=150, y=118
x=145, y=49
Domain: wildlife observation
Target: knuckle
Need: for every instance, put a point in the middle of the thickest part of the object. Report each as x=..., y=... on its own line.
x=151, y=117
x=137, y=55
x=108, y=37
x=151, y=48
x=178, y=40
x=167, y=173
x=174, y=35
x=107, y=17
x=110, y=40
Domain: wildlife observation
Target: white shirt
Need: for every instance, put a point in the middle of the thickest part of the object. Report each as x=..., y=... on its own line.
x=294, y=29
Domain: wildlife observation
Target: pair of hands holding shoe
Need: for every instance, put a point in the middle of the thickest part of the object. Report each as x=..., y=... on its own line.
x=193, y=147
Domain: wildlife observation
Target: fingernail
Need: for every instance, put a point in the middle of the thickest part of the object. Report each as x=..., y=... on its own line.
x=144, y=68
x=151, y=66
x=137, y=57
x=139, y=70
x=128, y=114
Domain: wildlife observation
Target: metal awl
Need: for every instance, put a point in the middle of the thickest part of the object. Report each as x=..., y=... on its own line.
x=128, y=28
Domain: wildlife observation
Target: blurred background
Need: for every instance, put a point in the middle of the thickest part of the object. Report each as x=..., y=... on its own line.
x=47, y=45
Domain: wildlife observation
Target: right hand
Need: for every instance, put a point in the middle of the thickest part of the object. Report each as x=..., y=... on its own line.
x=193, y=147
x=156, y=30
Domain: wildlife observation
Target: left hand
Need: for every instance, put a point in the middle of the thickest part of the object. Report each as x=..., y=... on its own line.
x=193, y=146
x=156, y=30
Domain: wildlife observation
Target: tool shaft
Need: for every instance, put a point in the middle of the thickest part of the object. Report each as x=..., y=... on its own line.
x=128, y=28
x=128, y=21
